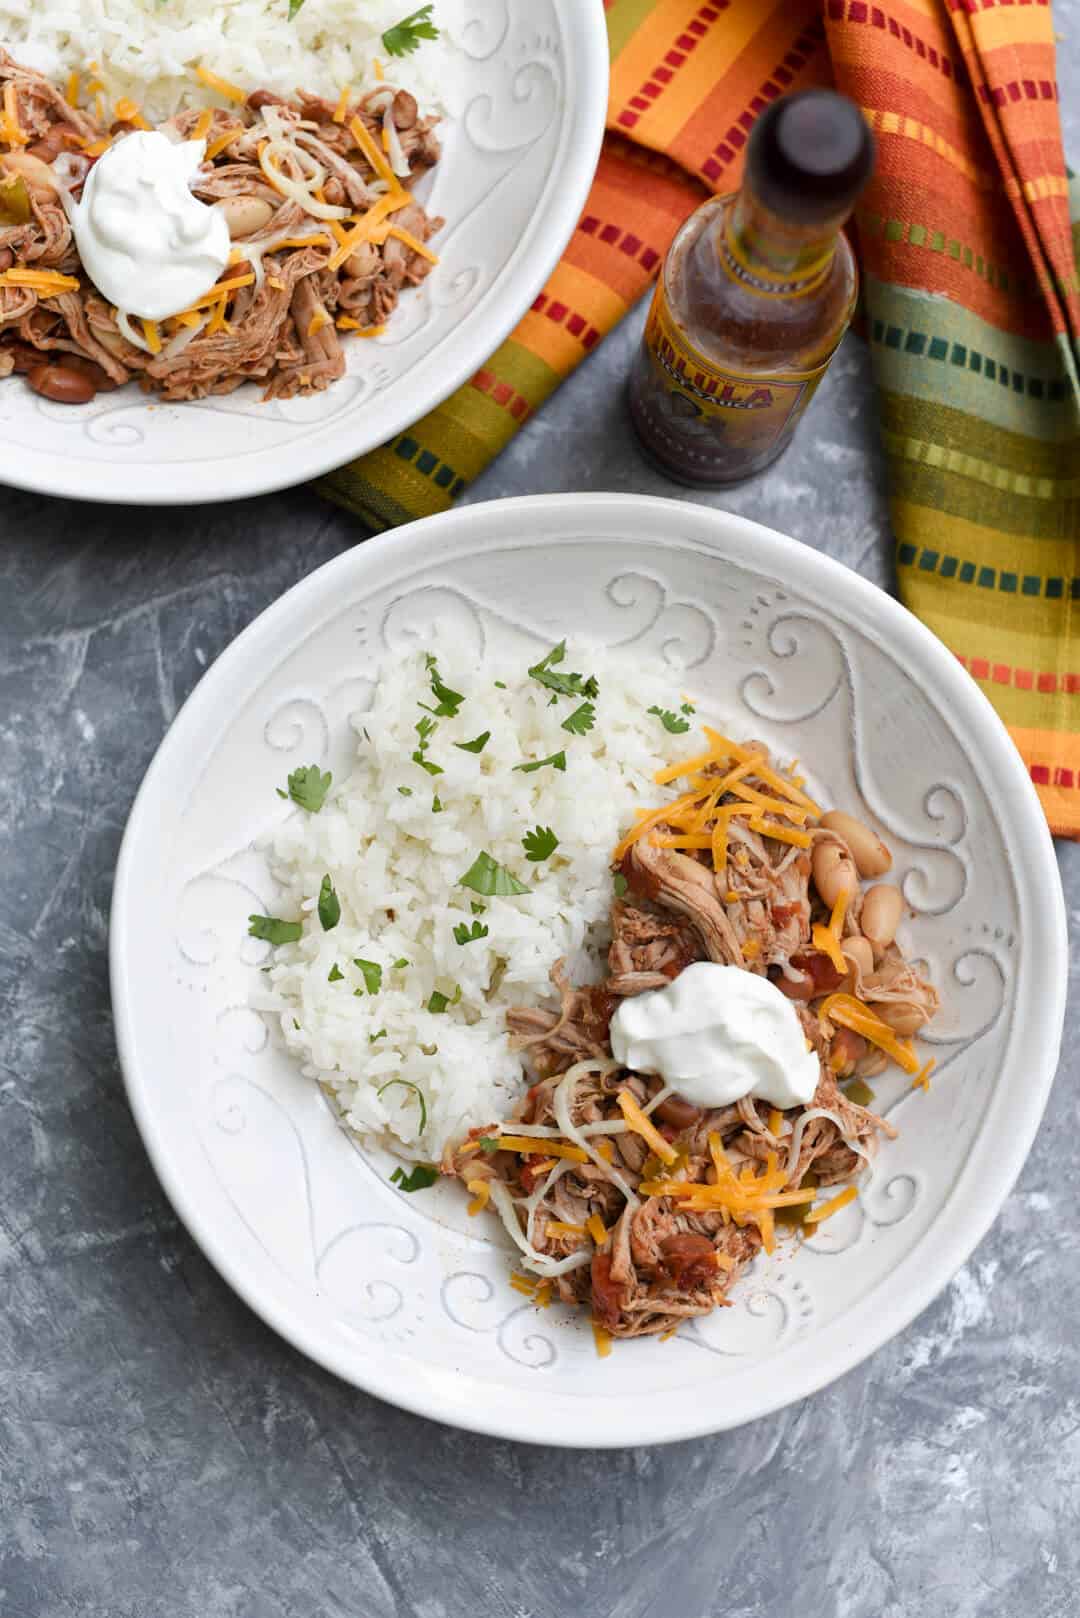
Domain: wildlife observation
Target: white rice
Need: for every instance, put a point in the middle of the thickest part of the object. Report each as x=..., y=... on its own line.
x=396, y=867
x=149, y=49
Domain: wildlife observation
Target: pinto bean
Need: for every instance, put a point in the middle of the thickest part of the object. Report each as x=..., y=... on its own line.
x=101, y=379
x=678, y=1112
x=834, y=872
x=870, y=854
x=24, y=357
x=846, y=1049
x=245, y=215
x=61, y=384
x=33, y=170
x=880, y=916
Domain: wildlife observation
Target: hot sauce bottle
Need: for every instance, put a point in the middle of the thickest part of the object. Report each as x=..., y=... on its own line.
x=754, y=296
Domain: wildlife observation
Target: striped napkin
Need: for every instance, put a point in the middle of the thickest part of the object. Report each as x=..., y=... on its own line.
x=972, y=307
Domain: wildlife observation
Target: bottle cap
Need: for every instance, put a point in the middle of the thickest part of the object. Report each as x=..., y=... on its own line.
x=810, y=155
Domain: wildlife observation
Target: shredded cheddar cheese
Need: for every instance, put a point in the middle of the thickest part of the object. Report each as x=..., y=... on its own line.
x=413, y=243
x=560, y=1227
x=851, y=1013
x=481, y=1190
x=775, y=1121
x=550, y=1148
x=216, y=147
x=826, y=1209
x=46, y=283
x=97, y=148
x=375, y=157
x=780, y=833
x=14, y=133
x=152, y=335
x=231, y=92
x=202, y=124
x=824, y=939
x=128, y=112
x=341, y=111
x=596, y=1229
x=378, y=68
x=921, y=1081
x=318, y=320
x=542, y=1295
x=71, y=94
x=363, y=232
x=641, y=1126
x=602, y=1339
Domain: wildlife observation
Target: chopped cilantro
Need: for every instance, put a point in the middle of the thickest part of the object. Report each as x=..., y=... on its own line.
x=335, y=975
x=329, y=905
x=406, y=792
x=540, y=843
x=567, y=685
x=273, y=931
x=419, y=1094
x=399, y=963
x=687, y=707
x=371, y=972
x=500, y=685
x=449, y=701
x=422, y=1176
x=463, y=934
x=671, y=721
x=308, y=787
x=620, y=884
x=476, y=907
x=486, y=876
x=436, y=805
x=556, y=760
x=405, y=36
x=373, y=1037
x=489, y=1144
x=477, y=744
x=581, y=721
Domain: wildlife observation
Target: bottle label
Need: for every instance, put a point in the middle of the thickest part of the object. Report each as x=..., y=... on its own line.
x=714, y=422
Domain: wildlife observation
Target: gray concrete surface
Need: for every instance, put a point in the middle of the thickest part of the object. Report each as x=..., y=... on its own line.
x=164, y=1455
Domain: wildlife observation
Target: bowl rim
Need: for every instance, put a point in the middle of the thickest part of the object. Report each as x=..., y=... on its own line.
x=567, y=1420
x=74, y=477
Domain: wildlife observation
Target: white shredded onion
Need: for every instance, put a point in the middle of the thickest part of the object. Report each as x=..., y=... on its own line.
x=800, y=1127
x=394, y=149
x=562, y=1101
x=136, y=339
x=183, y=338
x=540, y=1262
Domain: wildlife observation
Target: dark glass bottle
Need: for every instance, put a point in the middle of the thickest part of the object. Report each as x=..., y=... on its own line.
x=754, y=296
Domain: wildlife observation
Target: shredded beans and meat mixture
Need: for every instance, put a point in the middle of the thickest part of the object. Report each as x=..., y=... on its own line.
x=620, y=1195
x=326, y=238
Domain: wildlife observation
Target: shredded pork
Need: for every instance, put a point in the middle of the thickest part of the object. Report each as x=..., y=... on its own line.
x=282, y=325
x=614, y=1227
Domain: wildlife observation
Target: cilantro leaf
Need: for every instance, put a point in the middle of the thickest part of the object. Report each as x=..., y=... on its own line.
x=439, y=1001
x=556, y=760
x=329, y=905
x=335, y=974
x=567, y=685
x=404, y=37
x=489, y=1144
x=486, y=877
x=422, y=1176
x=373, y=1037
x=476, y=907
x=501, y=685
x=415, y=1088
x=294, y=8
x=426, y=764
x=540, y=843
x=399, y=963
x=671, y=721
x=308, y=787
x=371, y=972
x=581, y=721
x=620, y=884
x=687, y=707
x=477, y=744
x=436, y=805
x=273, y=931
x=463, y=934
x=406, y=792
x=449, y=701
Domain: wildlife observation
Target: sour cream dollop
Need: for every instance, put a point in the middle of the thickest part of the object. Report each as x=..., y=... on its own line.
x=717, y=1034
x=147, y=244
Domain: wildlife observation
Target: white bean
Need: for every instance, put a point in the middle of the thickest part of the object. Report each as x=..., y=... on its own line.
x=870, y=854
x=245, y=215
x=833, y=871
x=881, y=911
x=903, y=1017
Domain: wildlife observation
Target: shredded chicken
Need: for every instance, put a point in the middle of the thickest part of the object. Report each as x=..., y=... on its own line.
x=658, y=1260
x=283, y=327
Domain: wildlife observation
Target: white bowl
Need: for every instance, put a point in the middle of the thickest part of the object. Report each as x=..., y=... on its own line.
x=518, y=162
x=403, y=1295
